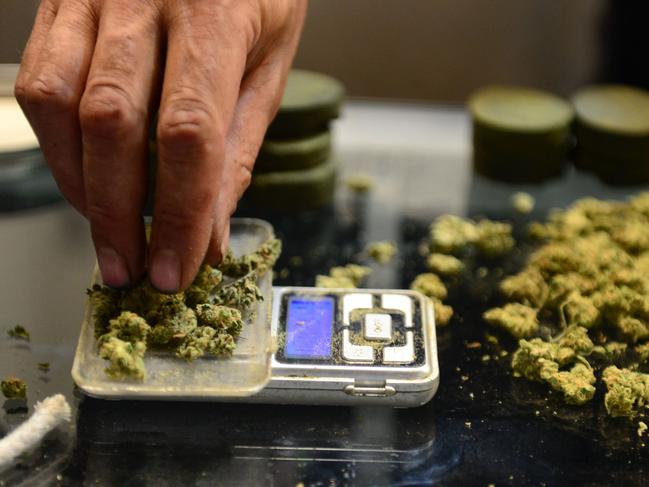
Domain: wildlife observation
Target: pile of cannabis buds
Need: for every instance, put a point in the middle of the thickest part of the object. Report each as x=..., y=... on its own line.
x=590, y=274
x=206, y=319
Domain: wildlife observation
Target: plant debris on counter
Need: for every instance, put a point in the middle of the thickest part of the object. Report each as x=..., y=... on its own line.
x=360, y=183
x=523, y=202
x=19, y=332
x=450, y=234
x=206, y=319
x=13, y=387
x=381, y=252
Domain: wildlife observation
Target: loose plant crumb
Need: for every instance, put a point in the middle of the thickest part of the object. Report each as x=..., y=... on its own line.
x=360, y=183
x=523, y=202
x=642, y=428
x=444, y=265
x=19, y=332
x=382, y=252
x=13, y=387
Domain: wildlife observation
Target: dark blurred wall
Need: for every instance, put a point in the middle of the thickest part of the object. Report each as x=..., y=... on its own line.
x=441, y=50
x=625, y=43
x=16, y=19
x=424, y=49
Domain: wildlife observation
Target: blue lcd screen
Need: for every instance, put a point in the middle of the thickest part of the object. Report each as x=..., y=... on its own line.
x=308, y=328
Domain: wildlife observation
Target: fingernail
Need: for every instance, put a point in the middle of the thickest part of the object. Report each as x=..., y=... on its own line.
x=165, y=271
x=113, y=268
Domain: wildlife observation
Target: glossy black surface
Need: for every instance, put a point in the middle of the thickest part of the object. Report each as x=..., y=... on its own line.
x=482, y=427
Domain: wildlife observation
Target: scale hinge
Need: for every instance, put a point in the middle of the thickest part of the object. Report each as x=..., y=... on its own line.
x=370, y=389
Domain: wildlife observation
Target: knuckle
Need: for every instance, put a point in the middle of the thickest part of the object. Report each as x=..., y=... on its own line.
x=47, y=91
x=107, y=110
x=20, y=91
x=187, y=122
x=244, y=173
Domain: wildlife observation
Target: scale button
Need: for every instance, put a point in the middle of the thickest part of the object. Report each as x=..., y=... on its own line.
x=400, y=302
x=355, y=301
x=377, y=326
x=403, y=354
x=356, y=353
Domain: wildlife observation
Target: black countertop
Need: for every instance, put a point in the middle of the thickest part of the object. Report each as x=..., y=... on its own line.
x=482, y=427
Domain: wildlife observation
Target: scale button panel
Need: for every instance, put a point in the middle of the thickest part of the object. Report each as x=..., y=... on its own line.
x=377, y=326
x=402, y=354
x=356, y=353
x=399, y=302
x=355, y=301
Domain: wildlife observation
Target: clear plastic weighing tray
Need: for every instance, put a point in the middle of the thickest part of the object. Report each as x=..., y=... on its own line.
x=208, y=378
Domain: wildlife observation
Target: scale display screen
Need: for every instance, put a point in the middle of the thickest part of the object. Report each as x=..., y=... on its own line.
x=309, y=325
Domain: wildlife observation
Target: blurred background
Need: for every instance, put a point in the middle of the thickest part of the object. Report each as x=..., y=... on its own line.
x=440, y=51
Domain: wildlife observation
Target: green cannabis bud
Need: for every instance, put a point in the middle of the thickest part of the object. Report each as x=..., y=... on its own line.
x=517, y=319
x=105, y=305
x=628, y=391
x=204, y=284
x=382, y=252
x=204, y=340
x=445, y=265
x=443, y=312
x=221, y=318
x=259, y=261
x=241, y=293
x=450, y=234
x=494, y=238
x=349, y=276
x=124, y=346
x=13, y=387
x=576, y=385
x=429, y=285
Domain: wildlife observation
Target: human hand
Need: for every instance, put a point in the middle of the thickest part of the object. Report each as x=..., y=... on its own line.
x=92, y=74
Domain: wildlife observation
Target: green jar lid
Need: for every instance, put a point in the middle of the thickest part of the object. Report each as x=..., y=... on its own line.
x=514, y=110
x=519, y=134
x=616, y=109
x=309, y=102
x=293, y=154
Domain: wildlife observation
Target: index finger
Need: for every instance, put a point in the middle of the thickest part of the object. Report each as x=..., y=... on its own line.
x=204, y=67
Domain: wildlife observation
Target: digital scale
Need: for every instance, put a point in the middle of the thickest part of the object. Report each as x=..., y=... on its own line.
x=301, y=345
x=351, y=346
